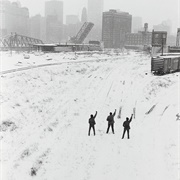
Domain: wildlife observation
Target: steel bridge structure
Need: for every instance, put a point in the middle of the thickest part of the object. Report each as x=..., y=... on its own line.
x=82, y=34
x=15, y=41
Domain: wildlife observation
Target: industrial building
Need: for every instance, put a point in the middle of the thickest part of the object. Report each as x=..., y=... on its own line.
x=115, y=26
x=139, y=40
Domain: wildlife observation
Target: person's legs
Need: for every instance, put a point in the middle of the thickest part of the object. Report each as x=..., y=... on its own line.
x=108, y=128
x=94, y=130
x=123, y=133
x=89, y=130
x=112, y=127
x=128, y=133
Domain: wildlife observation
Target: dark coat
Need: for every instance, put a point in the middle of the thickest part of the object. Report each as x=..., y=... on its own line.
x=110, y=118
x=92, y=120
x=126, y=123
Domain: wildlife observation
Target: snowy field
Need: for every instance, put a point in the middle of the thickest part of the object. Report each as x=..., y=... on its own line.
x=46, y=102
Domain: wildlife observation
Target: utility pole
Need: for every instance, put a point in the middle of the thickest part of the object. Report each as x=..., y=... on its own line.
x=178, y=37
x=162, y=45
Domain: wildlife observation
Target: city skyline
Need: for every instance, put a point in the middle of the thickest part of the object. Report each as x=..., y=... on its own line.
x=152, y=12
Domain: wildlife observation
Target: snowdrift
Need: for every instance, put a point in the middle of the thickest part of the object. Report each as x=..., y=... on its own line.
x=45, y=112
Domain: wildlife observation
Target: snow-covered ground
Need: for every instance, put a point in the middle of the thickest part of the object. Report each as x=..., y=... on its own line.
x=46, y=102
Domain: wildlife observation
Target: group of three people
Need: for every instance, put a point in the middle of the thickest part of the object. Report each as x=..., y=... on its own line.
x=110, y=119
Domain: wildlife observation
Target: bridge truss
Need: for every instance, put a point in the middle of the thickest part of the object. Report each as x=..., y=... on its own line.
x=83, y=32
x=16, y=41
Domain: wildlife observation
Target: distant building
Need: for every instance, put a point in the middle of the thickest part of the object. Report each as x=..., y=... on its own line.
x=38, y=27
x=72, y=19
x=115, y=26
x=171, y=40
x=164, y=26
x=13, y=18
x=70, y=31
x=54, y=20
x=140, y=39
x=53, y=30
x=95, y=10
x=71, y=28
x=54, y=8
x=35, y=26
x=84, y=15
x=136, y=24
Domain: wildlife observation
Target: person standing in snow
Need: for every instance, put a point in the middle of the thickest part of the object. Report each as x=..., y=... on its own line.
x=110, y=120
x=92, y=123
x=127, y=126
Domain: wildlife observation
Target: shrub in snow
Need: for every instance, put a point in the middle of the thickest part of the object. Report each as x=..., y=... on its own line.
x=26, y=56
x=82, y=71
x=7, y=125
x=33, y=171
x=25, y=153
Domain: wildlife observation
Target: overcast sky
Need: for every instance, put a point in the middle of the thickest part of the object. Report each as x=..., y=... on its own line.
x=151, y=11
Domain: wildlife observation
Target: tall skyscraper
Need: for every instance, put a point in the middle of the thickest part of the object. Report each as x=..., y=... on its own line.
x=84, y=15
x=38, y=27
x=115, y=26
x=54, y=20
x=35, y=26
x=54, y=8
x=13, y=18
x=95, y=10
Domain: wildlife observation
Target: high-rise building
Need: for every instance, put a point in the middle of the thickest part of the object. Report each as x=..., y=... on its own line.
x=136, y=24
x=114, y=28
x=70, y=31
x=38, y=27
x=54, y=20
x=35, y=26
x=53, y=30
x=84, y=15
x=13, y=18
x=72, y=27
x=54, y=8
x=72, y=19
x=95, y=10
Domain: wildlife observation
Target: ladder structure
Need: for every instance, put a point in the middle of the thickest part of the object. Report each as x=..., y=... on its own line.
x=82, y=34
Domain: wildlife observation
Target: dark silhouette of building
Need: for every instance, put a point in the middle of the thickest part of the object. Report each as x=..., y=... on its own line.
x=114, y=28
x=84, y=15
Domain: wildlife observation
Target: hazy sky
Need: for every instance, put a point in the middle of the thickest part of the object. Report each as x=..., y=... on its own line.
x=151, y=11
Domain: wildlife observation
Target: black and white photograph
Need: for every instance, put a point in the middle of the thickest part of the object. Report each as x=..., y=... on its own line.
x=89, y=90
